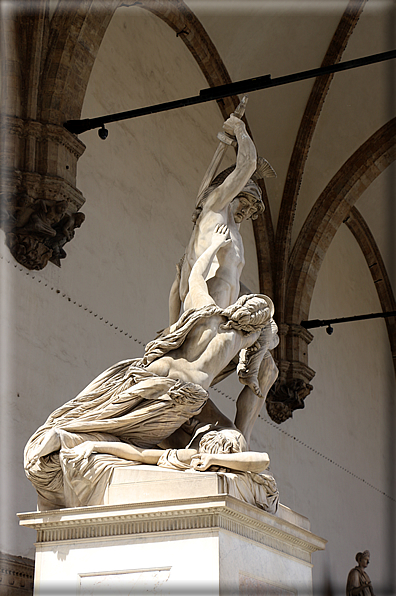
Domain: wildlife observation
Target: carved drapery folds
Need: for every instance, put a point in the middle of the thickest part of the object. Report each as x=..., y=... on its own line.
x=39, y=203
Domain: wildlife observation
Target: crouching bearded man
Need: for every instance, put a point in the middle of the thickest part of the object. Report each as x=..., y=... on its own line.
x=141, y=402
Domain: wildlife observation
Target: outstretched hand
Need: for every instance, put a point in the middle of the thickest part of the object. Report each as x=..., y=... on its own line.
x=221, y=235
x=82, y=451
x=201, y=461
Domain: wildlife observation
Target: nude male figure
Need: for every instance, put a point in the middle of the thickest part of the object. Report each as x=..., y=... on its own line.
x=229, y=201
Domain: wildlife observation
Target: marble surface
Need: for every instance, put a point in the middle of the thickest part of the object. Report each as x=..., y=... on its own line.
x=155, y=546
x=147, y=483
x=140, y=484
x=127, y=411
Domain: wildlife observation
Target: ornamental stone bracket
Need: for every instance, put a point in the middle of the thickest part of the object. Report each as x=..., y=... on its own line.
x=39, y=200
x=293, y=384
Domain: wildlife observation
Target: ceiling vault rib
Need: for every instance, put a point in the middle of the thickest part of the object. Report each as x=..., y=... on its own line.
x=74, y=40
x=301, y=149
x=330, y=210
x=362, y=233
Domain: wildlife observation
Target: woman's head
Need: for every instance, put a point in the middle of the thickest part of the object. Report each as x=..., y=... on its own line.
x=226, y=440
x=249, y=313
x=363, y=558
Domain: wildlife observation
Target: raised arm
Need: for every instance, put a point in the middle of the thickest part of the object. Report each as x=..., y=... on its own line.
x=246, y=164
x=198, y=294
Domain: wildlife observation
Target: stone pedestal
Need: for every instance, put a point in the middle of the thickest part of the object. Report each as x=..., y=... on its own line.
x=177, y=534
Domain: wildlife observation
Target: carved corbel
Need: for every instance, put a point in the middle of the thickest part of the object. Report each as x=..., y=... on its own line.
x=39, y=209
x=36, y=229
x=293, y=384
x=284, y=398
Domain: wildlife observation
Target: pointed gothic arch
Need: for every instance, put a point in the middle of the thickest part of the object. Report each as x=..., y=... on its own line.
x=330, y=210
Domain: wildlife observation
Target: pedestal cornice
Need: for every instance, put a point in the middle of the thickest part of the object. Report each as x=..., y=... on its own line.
x=219, y=513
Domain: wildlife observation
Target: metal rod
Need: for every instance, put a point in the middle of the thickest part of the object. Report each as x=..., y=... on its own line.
x=221, y=91
x=315, y=323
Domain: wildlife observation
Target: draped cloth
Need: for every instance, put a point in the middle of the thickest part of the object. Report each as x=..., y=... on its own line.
x=256, y=489
x=363, y=580
x=125, y=403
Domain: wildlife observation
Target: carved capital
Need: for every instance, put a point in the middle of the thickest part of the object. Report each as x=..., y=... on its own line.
x=40, y=147
x=283, y=329
x=39, y=200
x=300, y=332
x=284, y=398
x=297, y=342
x=293, y=384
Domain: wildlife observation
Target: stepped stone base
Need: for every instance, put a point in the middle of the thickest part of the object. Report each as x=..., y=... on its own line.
x=203, y=542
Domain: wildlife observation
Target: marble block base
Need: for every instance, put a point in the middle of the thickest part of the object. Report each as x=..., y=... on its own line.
x=201, y=541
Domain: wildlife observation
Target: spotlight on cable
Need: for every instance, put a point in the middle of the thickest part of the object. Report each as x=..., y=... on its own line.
x=329, y=329
x=103, y=133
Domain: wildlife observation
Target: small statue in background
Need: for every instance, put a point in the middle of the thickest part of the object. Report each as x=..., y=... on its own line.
x=358, y=582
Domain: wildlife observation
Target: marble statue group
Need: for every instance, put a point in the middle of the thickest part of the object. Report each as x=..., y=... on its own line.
x=156, y=410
